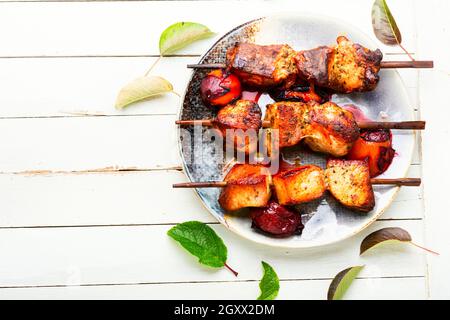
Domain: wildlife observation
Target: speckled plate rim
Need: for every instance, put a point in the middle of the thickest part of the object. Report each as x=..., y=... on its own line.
x=270, y=241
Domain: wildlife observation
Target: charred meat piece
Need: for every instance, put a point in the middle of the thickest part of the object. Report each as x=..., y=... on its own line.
x=277, y=220
x=325, y=128
x=299, y=185
x=344, y=68
x=290, y=119
x=247, y=186
x=349, y=183
x=240, y=122
x=375, y=146
x=262, y=67
x=331, y=129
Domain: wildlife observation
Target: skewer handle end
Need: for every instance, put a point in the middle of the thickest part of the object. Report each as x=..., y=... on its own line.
x=407, y=182
x=425, y=64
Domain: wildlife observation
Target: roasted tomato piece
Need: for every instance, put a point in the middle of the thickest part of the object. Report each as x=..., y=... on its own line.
x=376, y=147
x=300, y=93
x=277, y=220
x=220, y=88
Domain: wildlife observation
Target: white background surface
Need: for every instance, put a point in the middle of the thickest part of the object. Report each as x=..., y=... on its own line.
x=73, y=225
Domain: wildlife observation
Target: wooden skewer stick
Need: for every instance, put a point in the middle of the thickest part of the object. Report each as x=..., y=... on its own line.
x=411, y=125
x=425, y=64
x=402, y=125
x=210, y=184
x=407, y=182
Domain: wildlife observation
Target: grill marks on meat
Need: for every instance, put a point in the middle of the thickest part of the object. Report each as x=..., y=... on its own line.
x=289, y=118
x=299, y=185
x=325, y=128
x=262, y=67
x=247, y=186
x=331, y=129
x=243, y=120
x=349, y=183
x=344, y=68
x=313, y=65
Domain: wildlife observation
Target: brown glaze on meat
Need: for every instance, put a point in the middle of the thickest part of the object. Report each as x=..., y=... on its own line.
x=349, y=183
x=324, y=127
x=262, y=67
x=344, y=68
x=241, y=121
x=331, y=129
x=299, y=185
x=289, y=118
x=247, y=186
x=313, y=65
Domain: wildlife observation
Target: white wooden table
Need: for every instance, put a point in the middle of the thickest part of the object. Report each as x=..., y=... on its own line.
x=74, y=224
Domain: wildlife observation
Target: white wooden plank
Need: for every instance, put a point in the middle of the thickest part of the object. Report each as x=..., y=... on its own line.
x=54, y=28
x=361, y=289
x=146, y=197
x=82, y=143
x=98, y=199
x=112, y=255
x=433, y=86
x=80, y=86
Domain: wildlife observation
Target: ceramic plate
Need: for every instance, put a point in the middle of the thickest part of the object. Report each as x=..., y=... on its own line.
x=326, y=222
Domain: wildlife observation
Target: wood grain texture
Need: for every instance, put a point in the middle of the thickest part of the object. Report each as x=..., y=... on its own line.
x=126, y=198
x=85, y=143
x=68, y=218
x=112, y=255
x=436, y=170
x=361, y=289
x=35, y=33
x=66, y=87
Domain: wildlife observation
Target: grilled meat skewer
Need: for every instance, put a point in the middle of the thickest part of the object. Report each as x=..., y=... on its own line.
x=263, y=66
x=348, y=181
x=325, y=128
x=343, y=68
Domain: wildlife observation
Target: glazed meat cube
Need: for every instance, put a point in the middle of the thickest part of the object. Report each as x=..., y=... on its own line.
x=299, y=185
x=289, y=118
x=247, y=186
x=244, y=117
x=349, y=183
x=325, y=127
x=331, y=129
x=262, y=67
x=344, y=68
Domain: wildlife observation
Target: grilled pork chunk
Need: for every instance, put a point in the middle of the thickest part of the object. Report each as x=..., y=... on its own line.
x=299, y=185
x=262, y=67
x=247, y=186
x=324, y=127
x=243, y=119
x=349, y=183
x=344, y=68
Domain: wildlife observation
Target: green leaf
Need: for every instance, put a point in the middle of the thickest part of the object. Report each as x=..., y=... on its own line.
x=142, y=88
x=384, y=236
x=201, y=241
x=181, y=34
x=384, y=25
x=342, y=282
x=269, y=284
